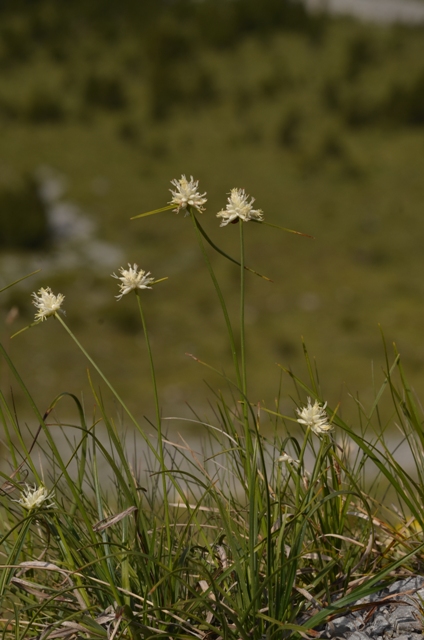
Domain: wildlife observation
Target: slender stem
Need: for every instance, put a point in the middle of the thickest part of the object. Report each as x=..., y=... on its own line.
x=128, y=412
x=152, y=367
x=221, y=300
x=106, y=381
x=158, y=420
x=243, y=347
x=301, y=459
x=251, y=450
x=242, y=333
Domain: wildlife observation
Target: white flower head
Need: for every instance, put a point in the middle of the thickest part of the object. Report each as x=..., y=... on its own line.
x=315, y=418
x=239, y=208
x=33, y=498
x=47, y=303
x=132, y=279
x=186, y=194
x=286, y=458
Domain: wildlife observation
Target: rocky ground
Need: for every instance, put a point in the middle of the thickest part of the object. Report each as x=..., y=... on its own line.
x=392, y=613
x=380, y=11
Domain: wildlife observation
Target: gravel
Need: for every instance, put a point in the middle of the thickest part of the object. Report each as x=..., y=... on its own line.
x=397, y=614
x=408, y=12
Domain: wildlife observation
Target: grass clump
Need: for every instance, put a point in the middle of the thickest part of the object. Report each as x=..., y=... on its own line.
x=276, y=524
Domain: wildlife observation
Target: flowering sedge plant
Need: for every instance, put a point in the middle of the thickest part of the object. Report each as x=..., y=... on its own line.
x=186, y=194
x=34, y=498
x=239, y=208
x=131, y=279
x=314, y=417
x=47, y=303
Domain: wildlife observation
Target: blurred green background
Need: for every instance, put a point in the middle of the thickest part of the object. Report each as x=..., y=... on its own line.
x=320, y=119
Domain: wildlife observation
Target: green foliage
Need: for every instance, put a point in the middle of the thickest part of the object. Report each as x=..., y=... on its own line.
x=405, y=104
x=44, y=107
x=105, y=92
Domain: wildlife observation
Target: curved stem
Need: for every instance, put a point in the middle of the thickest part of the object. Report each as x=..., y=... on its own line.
x=221, y=299
x=158, y=420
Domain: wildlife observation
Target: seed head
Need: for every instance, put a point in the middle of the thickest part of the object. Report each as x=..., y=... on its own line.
x=239, y=208
x=33, y=498
x=132, y=279
x=315, y=417
x=47, y=303
x=186, y=194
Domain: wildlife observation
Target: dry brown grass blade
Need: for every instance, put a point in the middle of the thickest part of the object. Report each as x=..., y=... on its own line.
x=35, y=589
x=48, y=566
x=111, y=520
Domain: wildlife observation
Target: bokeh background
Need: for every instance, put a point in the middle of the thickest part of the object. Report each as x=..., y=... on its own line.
x=320, y=118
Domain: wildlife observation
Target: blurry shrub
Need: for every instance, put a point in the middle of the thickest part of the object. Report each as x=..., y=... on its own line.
x=272, y=84
x=333, y=146
x=334, y=156
x=128, y=131
x=331, y=94
x=8, y=109
x=243, y=99
x=405, y=105
x=59, y=51
x=361, y=52
x=44, y=107
x=167, y=42
x=157, y=148
x=181, y=85
x=167, y=45
x=221, y=23
x=288, y=133
x=171, y=28
x=105, y=92
x=358, y=111
x=253, y=135
x=15, y=43
x=205, y=90
x=23, y=220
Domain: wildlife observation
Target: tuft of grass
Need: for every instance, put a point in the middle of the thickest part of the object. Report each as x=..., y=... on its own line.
x=275, y=525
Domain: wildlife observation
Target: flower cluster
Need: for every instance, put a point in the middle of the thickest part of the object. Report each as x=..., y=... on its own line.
x=239, y=208
x=33, y=498
x=132, y=279
x=186, y=194
x=315, y=418
x=47, y=303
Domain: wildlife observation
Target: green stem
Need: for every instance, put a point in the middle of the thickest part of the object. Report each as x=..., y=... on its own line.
x=158, y=420
x=242, y=333
x=301, y=458
x=106, y=381
x=220, y=297
x=243, y=348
